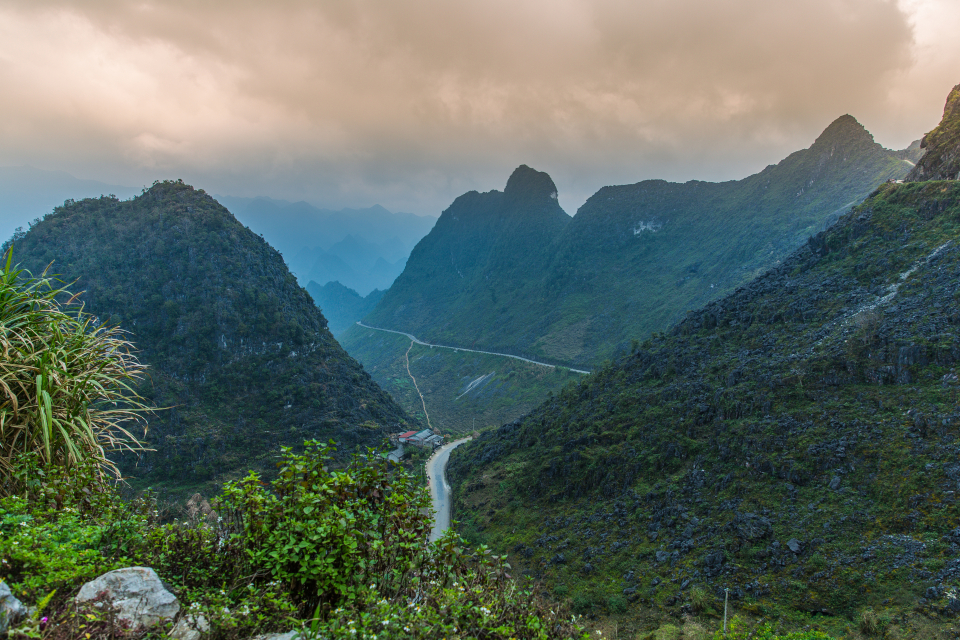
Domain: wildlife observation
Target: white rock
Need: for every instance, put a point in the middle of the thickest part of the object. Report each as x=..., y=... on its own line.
x=12, y=610
x=136, y=592
x=190, y=628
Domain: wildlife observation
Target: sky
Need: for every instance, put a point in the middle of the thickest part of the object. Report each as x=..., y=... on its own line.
x=409, y=104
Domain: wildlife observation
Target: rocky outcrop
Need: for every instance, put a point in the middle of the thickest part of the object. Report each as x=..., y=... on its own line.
x=942, y=158
x=136, y=592
x=11, y=609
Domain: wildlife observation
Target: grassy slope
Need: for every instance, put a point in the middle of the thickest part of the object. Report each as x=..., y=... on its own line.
x=237, y=350
x=444, y=376
x=806, y=406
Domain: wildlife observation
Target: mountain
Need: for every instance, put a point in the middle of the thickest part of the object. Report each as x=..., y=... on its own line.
x=25, y=191
x=364, y=249
x=465, y=272
x=633, y=260
x=795, y=441
x=354, y=262
x=341, y=305
x=236, y=349
x=942, y=158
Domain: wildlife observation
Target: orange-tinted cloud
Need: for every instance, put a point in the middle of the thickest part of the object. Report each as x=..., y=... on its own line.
x=409, y=104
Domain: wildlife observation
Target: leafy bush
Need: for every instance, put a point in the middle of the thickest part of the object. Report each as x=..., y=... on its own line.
x=344, y=550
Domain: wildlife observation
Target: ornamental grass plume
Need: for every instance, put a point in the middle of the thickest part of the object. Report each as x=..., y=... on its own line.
x=66, y=398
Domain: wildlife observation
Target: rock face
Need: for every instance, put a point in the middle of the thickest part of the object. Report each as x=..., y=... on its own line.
x=942, y=145
x=190, y=628
x=136, y=592
x=11, y=609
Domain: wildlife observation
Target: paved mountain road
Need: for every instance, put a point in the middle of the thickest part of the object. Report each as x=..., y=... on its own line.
x=443, y=346
x=439, y=489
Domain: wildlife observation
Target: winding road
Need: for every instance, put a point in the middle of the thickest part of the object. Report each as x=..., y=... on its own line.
x=439, y=488
x=489, y=353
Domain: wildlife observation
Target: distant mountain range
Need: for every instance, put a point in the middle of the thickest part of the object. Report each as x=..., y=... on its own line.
x=239, y=354
x=341, y=305
x=27, y=193
x=510, y=271
x=792, y=445
x=363, y=249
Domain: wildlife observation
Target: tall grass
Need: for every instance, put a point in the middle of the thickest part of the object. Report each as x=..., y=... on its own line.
x=66, y=398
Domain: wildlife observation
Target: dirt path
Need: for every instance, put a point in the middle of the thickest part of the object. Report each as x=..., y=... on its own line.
x=406, y=357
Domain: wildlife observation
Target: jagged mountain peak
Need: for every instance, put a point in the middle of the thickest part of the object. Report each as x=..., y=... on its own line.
x=846, y=128
x=942, y=158
x=529, y=184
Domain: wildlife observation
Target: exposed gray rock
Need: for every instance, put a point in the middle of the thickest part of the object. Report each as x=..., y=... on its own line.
x=137, y=594
x=835, y=483
x=794, y=545
x=750, y=526
x=662, y=556
x=190, y=628
x=289, y=635
x=12, y=610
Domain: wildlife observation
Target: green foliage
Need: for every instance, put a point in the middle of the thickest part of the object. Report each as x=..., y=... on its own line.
x=816, y=404
x=236, y=349
x=506, y=389
x=871, y=623
x=65, y=383
x=328, y=552
x=740, y=630
x=44, y=550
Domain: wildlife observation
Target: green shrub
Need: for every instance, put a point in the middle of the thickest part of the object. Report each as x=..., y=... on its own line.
x=616, y=604
x=344, y=551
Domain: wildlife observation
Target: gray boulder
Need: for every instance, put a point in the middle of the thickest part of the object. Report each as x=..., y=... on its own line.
x=794, y=545
x=190, y=628
x=136, y=592
x=12, y=610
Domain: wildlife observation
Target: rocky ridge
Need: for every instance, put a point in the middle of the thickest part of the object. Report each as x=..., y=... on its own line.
x=794, y=442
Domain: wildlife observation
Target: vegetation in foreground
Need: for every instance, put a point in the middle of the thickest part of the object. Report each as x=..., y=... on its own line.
x=335, y=553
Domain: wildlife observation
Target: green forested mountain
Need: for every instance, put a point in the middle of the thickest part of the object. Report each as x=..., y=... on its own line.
x=510, y=272
x=466, y=272
x=236, y=348
x=342, y=306
x=795, y=441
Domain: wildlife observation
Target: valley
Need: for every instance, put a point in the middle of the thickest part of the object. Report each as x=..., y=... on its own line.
x=526, y=320
x=794, y=442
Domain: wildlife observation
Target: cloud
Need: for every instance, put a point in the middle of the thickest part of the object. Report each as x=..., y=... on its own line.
x=409, y=104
